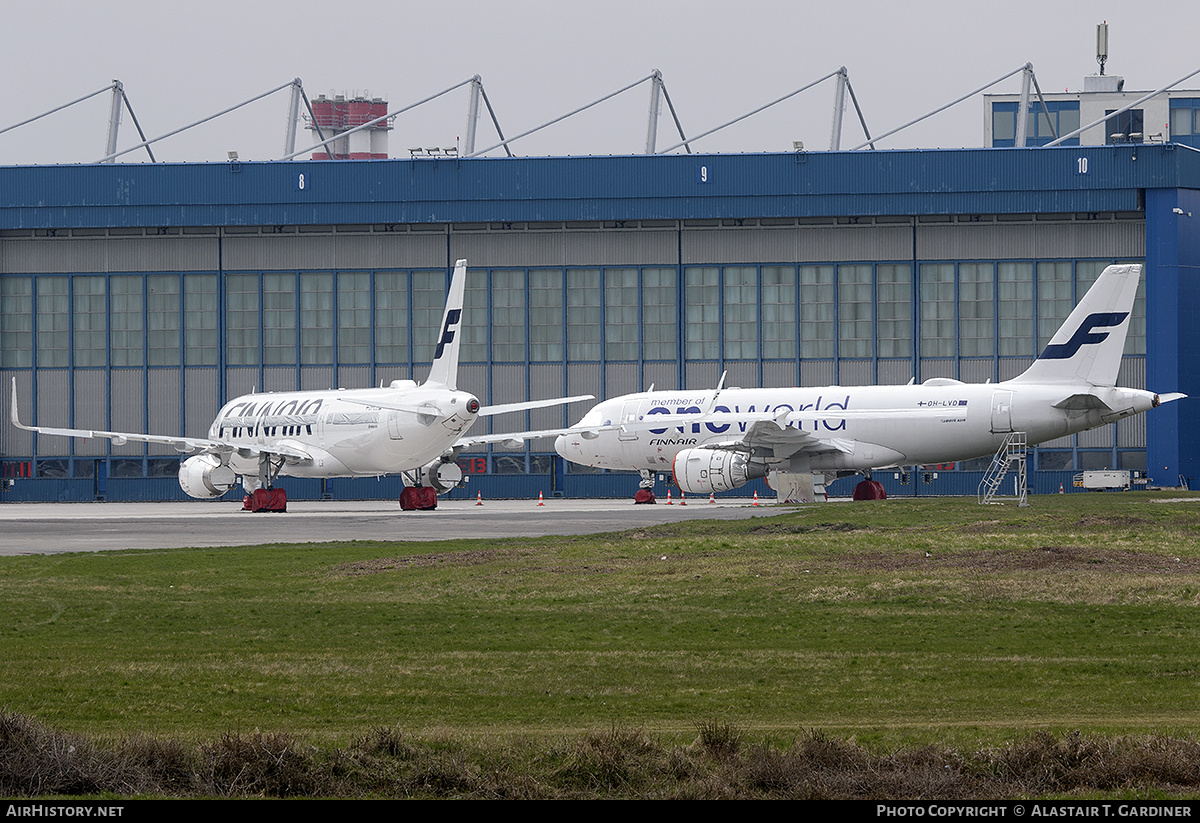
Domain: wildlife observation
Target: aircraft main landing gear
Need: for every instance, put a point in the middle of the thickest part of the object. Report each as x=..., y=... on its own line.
x=418, y=498
x=264, y=497
x=645, y=492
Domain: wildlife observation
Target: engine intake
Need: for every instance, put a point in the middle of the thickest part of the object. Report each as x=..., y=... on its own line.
x=705, y=471
x=442, y=476
x=204, y=477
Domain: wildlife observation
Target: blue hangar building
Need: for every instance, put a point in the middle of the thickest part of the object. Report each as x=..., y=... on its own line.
x=140, y=297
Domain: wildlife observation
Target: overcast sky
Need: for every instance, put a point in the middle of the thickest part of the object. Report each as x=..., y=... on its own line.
x=180, y=62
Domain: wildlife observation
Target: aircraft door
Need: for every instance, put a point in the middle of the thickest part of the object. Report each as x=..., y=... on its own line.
x=1002, y=412
x=629, y=414
x=394, y=417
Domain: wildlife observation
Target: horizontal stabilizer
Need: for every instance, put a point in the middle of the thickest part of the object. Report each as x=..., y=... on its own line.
x=505, y=408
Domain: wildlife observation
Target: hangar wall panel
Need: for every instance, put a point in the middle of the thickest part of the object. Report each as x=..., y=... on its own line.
x=354, y=377
x=797, y=244
x=381, y=250
x=558, y=245
x=820, y=373
x=89, y=414
x=1119, y=239
x=71, y=255
x=201, y=401
x=739, y=373
x=238, y=382
x=588, y=378
x=162, y=407
x=619, y=378
x=127, y=408
x=317, y=377
x=663, y=376
x=975, y=371
x=778, y=373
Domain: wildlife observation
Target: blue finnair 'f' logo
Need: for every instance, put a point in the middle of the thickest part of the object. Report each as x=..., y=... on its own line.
x=452, y=318
x=1084, y=335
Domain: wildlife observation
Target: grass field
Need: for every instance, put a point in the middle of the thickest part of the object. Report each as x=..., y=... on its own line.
x=931, y=621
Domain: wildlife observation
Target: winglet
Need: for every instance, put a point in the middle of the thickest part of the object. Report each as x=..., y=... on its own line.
x=444, y=371
x=13, y=414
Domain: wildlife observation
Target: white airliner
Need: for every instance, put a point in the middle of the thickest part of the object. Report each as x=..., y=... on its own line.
x=407, y=428
x=732, y=436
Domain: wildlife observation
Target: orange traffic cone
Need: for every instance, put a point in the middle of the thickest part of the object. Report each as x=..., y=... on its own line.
x=1060, y=488
x=479, y=498
x=540, y=502
x=755, y=499
x=682, y=498
x=669, y=503
x=711, y=499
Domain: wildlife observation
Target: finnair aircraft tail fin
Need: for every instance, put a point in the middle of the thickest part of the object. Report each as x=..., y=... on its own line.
x=1087, y=348
x=444, y=371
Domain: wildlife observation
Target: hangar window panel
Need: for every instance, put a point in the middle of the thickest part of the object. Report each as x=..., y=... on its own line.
x=508, y=316
x=702, y=313
x=1055, y=299
x=201, y=321
x=1015, y=309
x=818, y=314
x=778, y=312
x=620, y=314
x=584, y=314
x=316, y=318
x=89, y=320
x=279, y=319
x=16, y=322
x=162, y=320
x=391, y=317
x=428, y=305
x=1055, y=460
x=976, y=324
x=1121, y=128
x=546, y=315
x=1068, y=121
x=937, y=310
x=241, y=319
x=893, y=294
x=354, y=317
x=856, y=315
x=125, y=319
x=53, y=321
x=659, y=312
x=1181, y=121
x=741, y=313
x=1004, y=124
x=474, y=328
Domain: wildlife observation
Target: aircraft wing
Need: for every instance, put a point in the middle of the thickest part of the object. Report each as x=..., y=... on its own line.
x=184, y=445
x=484, y=411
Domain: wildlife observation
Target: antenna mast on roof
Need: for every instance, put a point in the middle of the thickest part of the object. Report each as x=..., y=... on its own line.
x=1102, y=45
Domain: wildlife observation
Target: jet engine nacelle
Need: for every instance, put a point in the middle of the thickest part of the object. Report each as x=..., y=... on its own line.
x=204, y=477
x=705, y=471
x=442, y=476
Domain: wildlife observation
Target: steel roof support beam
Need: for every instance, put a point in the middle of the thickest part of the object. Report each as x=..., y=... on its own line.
x=756, y=111
x=198, y=122
x=871, y=142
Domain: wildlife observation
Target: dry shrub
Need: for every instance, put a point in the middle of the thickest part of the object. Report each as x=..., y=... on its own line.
x=260, y=765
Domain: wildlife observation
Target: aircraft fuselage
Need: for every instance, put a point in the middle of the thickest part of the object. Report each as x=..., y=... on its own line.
x=882, y=425
x=345, y=439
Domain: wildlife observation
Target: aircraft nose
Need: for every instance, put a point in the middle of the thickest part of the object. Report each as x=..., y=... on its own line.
x=560, y=446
